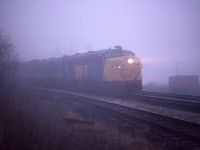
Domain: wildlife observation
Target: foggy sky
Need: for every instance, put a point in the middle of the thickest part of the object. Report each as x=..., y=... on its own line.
x=163, y=33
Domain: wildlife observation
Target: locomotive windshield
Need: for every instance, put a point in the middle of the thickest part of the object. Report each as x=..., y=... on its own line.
x=127, y=53
x=118, y=54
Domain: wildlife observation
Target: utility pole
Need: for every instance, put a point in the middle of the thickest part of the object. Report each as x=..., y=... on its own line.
x=177, y=68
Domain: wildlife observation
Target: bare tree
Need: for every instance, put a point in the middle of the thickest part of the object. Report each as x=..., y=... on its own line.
x=8, y=59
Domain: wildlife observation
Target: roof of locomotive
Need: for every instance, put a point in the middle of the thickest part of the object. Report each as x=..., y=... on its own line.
x=81, y=58
x=96, y=56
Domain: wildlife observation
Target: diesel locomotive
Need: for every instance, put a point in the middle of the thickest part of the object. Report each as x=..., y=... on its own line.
x=103, y=71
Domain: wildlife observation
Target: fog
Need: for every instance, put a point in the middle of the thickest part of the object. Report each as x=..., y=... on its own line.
x=165, y=34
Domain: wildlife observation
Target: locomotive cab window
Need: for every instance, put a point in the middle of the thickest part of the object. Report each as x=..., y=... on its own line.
x=124, y=53
x=112, y=54
x=118, y=54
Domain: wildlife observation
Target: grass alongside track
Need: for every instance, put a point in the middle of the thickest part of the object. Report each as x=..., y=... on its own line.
x=29, y=121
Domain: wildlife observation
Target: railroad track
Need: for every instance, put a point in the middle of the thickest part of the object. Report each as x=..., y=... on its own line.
x=173, y=95
x=184, y=103
x=174, y=133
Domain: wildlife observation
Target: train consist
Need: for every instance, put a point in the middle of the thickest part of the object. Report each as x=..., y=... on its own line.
x=104, y=71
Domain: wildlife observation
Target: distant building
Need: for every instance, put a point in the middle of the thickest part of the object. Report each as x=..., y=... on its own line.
x=184, y=83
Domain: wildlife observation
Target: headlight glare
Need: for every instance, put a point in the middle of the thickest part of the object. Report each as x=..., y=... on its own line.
x=130, y=60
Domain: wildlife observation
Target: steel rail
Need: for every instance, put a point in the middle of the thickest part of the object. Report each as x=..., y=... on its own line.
x=175, y=103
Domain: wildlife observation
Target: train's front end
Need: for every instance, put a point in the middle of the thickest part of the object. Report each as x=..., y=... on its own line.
x=122, y=71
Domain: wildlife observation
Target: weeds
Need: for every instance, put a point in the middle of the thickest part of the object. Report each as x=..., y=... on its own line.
x=31, y=122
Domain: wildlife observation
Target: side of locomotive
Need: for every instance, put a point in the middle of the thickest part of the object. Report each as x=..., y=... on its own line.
x=103, y=71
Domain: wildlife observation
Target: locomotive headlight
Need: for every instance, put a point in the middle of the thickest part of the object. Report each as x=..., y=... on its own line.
x=130, y=60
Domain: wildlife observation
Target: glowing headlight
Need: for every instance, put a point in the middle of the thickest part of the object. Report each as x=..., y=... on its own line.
x=130, y=60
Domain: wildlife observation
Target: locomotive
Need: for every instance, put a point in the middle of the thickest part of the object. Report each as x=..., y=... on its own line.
x=103, y=71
